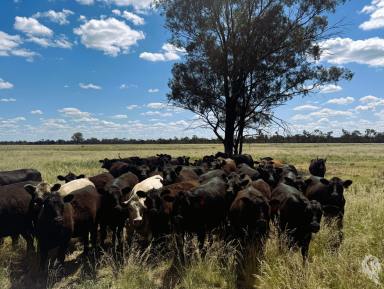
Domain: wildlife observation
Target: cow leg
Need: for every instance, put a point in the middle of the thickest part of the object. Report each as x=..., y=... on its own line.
x=29, y=239
x=94, y=237
x=43, y=256
x=61, y=252
x=305, y=248
x=86, y=243
x=103, y=235
x=180, y=257
x=15, y=241
x=201, y=239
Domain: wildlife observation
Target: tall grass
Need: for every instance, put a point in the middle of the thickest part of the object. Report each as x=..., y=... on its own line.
x=280, y=268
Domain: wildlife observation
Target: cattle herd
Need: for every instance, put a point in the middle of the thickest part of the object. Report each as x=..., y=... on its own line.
x=234, y=198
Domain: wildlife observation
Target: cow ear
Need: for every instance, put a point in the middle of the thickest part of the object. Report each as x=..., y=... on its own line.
x=55, y=187
x=325, y=160
x=169, y=199
x=178, y=169
x=289, y=181
x=68, y=198
x=347, y=183
x=60, y=178
x=80, y=177
x=141, y=194
x=325, y=182
x=101, y=161
x=30, y=189
x=308, y=182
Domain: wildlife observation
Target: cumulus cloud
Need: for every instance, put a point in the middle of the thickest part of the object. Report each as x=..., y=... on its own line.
x=156, y=105
x=74, y=112
x=341, y=100
x=157, y=113
x=120, y=116
x=330, y=88
x=153, y=90
x=376, y=15
x=306, y=107
x=37, y=112
x=7, y=100
x=10, y=46
x=127, y=86
x=169, y=53
x=345, y=50
x=59, y=17
x=132, y=17
x=31, y=26
x=136, y=4
x=110, y=35
x=132, y=106
x=85, y=2
x=5, y=84
x=90, y=86
x=327, y=112
x=370, y=103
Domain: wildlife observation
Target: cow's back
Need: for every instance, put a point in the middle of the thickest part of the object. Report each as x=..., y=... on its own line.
x=18, y=176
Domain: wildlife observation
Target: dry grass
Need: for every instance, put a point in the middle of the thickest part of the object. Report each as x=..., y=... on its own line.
x=364, y=232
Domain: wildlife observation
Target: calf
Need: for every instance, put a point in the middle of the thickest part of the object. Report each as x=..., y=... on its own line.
x=137, y=208
x=18, y=176
x=60, y=219
x=317, y=167
x=330, y=194
x=112, y=214
x=297, y=216
x=249, y=216
x=16, y=213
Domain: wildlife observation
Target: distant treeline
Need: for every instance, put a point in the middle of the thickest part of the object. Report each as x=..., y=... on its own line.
x=317, y=136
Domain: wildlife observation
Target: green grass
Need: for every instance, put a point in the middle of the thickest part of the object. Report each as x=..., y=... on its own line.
x=363, y=225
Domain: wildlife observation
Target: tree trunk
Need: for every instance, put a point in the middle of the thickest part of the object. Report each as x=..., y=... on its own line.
x=230, y=118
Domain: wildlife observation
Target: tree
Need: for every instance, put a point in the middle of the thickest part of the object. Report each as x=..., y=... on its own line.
x=77, y=137
x=246, y=57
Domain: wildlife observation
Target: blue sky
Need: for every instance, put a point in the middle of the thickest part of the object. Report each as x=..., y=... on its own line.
x=102, y=67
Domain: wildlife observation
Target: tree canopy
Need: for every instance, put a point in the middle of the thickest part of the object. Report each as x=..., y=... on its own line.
x=244, y=58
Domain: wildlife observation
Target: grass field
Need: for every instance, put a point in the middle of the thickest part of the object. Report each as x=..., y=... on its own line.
x=363, y=225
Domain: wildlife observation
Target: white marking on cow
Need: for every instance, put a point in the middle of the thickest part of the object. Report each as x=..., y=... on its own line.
x=75, y=185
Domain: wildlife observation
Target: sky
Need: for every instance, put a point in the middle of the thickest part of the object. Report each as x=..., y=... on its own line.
x=102, y=67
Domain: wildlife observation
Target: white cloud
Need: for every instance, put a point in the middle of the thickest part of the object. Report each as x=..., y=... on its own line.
x=127, y=86
x=157, y=113
x=327, y=112
x=330, y=88
x=306, y=107
x=342, y=100
x=7, y=100
x=137, y=4
x=10, y=45
x=345, y=50
x=170, y=53
x=74, y=112
x=59, y=17
x=110, y=35
x=369, y=98
x=37, y=112
x=156, y=105
x=5, y=84
x=132, y=17
x=116, y=12
x=371, y=103
x=300, y=117
x=31, y=26
x=153, y=90
x=132, y=106
x=376, y=19
x=85, y=2
x=120, y=116
x=90, y=86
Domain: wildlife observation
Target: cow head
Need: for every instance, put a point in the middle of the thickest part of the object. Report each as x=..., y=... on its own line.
x=170, y=174
x=235, y=184
x=317, y=167
x=137, y=209
x=70, y=177
x=269, y=174
x=106, y=163
x=334, y=199
x=312, y=215
x=143, y=172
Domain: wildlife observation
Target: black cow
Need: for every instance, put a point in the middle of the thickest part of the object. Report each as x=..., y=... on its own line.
x=243, y=159
x=297, y=216
x=18, y=176
x=317, y=167
x=330, y=194
x=16, y=213
x=60, y=219
x=70, y=177
x=112, y=214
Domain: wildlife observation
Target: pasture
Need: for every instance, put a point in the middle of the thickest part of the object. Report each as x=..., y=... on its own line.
x=363, y=225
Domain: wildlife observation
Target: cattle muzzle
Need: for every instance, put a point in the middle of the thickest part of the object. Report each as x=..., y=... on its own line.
x=59, y=220
x=138, y=222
